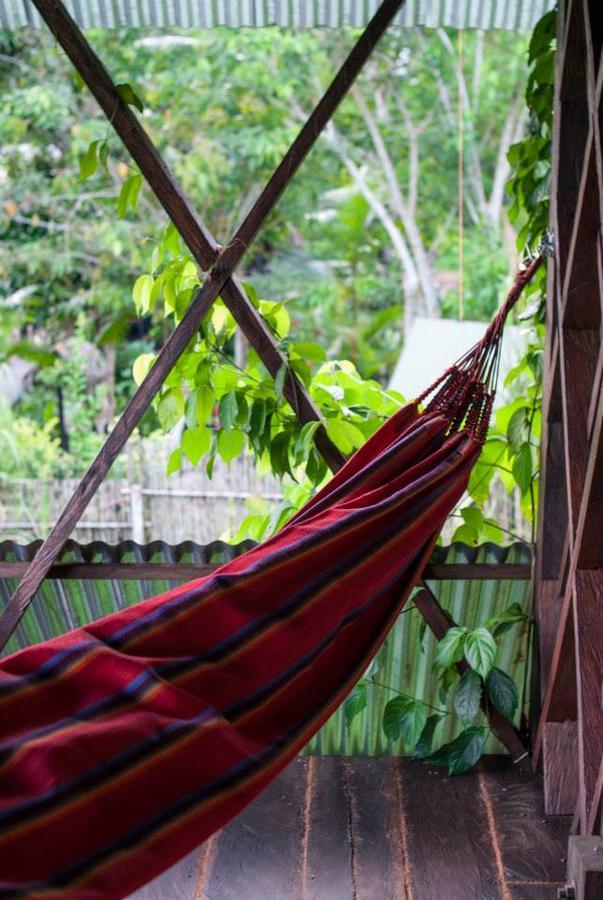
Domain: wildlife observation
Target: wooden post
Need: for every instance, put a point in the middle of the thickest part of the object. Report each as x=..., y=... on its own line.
x=137, y=513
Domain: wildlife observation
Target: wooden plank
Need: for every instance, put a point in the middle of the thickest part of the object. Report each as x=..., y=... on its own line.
x=477, y=572
x=559, y=701
x=588, y=631
x=178, y=883
x=532, y=847
x=580, y=291
x=579, y=351
x=448, y=841
x=545, y=890
x=589, y=528
x=439, y=622
x=329, y=847
x=559, y=742
x=260, y=853
x=188, y=571
x=380, y=830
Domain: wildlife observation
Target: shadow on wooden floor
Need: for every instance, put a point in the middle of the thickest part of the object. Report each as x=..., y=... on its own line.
x=334, y=828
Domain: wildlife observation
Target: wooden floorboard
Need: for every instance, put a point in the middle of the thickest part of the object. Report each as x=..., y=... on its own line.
x=449, y=847
x=379, y=830
x=333, y=828
x=532, y=847
x=260, y=854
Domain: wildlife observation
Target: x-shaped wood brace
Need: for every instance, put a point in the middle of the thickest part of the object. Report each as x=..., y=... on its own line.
x=220, y=281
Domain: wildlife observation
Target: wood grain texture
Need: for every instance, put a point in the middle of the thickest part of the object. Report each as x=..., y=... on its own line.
x=449, y=847
x=178, y=883
x=259, y=855
x=329, y=864
x=588, y=631
x=532, y=849
x=381, y=829
x=559, y=742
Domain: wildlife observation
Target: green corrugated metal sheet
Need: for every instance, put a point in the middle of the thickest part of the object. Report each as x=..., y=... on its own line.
x=405, y=660
x=298, y=14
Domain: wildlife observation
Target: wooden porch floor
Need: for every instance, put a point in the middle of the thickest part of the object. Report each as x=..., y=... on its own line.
x=381, y=829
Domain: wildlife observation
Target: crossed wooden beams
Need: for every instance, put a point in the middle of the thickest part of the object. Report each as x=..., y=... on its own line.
x=219, y=264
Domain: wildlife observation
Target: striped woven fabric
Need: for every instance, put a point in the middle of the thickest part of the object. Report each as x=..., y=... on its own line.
x=126, y=743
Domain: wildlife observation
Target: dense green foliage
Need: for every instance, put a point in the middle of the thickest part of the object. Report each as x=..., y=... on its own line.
x=365, y=236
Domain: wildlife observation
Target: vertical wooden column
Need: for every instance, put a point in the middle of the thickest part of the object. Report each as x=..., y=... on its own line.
x=569, y=584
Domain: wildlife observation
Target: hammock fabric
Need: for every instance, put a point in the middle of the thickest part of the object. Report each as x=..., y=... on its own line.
x=125, y=743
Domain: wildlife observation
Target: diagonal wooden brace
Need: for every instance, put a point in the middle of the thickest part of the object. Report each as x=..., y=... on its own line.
x=204, y=248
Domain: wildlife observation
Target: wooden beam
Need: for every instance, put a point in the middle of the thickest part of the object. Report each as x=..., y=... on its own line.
x=439, y=622
x=78, y=50
x=150, y=571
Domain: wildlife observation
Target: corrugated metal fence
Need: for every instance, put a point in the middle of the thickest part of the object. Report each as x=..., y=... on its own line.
x=298, y=14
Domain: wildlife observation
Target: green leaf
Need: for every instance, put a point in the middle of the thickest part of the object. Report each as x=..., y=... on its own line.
x=304, y=441
x=89, y=161
x=355, y=703
x=391, y=717
x=504, y=620
x=205, y=404
x=42, y=356
x=279, y=381
x=279, y=453
x=141, y=366
x=141, y=293
x=129, y=96
x=522, y=467
x=230, y=444
x=308, y=350
x=257, y=418
x=463, y=752
x=103, y=155
x=543, y=35
x=128, y=195
x=503, y=692
x=404, y=718
x=467, y=696
x=480, y=650
x=174, y=461
x=228, y=410
x=517, y=429
x=451, y=646
x=423, y=746
x=345, y=436
x=171, y=408
x=196, y=442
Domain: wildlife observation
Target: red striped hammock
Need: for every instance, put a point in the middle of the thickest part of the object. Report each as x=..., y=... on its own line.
x=127, y=742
